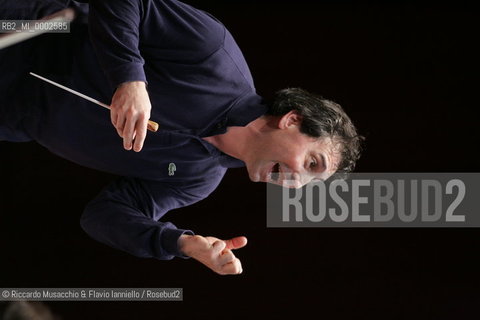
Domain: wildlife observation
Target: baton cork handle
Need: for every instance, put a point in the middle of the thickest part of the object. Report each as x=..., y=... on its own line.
x=152, y=126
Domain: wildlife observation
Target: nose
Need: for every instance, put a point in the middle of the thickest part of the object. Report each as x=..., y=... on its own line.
x=293, y=173
x=292, y=180
x=295, y=164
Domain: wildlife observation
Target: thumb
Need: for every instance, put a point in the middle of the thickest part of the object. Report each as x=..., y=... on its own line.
x=236, y=243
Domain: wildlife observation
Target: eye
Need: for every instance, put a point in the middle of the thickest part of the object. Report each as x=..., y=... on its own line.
x=313, y=163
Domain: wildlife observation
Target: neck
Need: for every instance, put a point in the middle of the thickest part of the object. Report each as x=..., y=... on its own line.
x=237, y=141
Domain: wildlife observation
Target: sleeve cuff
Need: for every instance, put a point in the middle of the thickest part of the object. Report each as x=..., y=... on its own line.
x=126, y=73
x=170, y=241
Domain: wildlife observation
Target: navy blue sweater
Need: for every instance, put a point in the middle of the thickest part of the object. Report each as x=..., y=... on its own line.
x=198, y=82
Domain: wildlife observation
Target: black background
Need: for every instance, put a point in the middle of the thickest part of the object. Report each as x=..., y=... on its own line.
x=406, y=72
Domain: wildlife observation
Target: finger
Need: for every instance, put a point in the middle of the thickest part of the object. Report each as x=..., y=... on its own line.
x=218, y=247
x=113, y=116
x=128, y=133
x=120, y=124
x=236, y=243
x=234, y=267
x=227, y=256
x=141, y=133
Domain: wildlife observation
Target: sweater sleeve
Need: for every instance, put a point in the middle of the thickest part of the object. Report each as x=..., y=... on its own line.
x=115, y=31
x=125, y=216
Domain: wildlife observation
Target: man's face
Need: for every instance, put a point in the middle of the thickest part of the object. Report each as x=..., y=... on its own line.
x=287, y=157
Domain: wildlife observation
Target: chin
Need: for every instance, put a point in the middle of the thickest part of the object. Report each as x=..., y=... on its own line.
x=254, y=176
x=255, y=173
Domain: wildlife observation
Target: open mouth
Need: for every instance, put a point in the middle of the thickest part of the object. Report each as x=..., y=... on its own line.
x=275, y=173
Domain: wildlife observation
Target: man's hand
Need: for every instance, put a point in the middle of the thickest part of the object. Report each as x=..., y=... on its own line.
x=214, y=253
x=130, y=111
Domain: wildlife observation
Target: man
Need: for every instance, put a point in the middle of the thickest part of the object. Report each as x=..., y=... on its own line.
x=178, y=65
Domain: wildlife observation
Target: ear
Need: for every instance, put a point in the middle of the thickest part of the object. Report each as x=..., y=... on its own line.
x=290, y=119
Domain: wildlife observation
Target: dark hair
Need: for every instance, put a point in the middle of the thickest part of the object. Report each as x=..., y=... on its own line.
x=321, y=118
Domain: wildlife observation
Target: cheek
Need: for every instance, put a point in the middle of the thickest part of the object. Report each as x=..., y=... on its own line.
x=295, y=150
x=268, y=150
x=283, y=148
